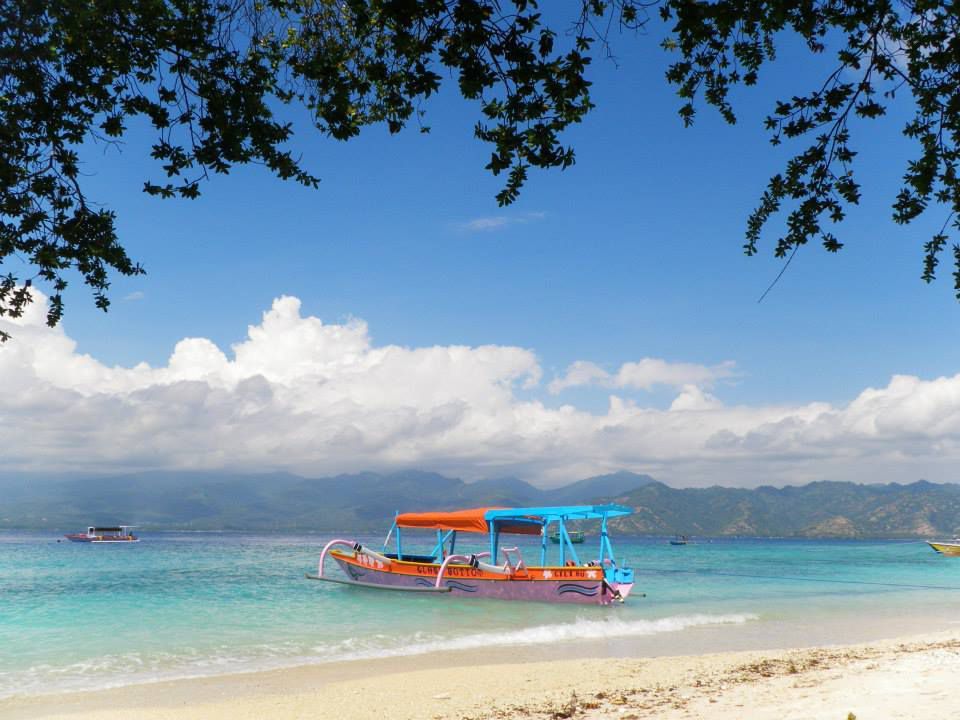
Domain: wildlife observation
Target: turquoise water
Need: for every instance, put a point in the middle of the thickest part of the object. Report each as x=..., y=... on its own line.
x=78, y=616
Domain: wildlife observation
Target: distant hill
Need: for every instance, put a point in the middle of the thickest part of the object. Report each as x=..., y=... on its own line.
x=272, y=501
x=599, y=486
x=820, y=509
x=367, y=501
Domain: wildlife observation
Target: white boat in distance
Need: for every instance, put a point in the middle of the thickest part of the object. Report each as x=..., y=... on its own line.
x=114, y=534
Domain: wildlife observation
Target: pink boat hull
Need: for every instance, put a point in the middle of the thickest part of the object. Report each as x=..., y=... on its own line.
x=583, y=592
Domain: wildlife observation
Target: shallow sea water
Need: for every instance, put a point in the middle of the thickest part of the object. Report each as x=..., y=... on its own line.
x=78, y=616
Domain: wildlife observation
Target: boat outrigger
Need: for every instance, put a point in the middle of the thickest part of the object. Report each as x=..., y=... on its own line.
x=484, y=574
x=115, y=534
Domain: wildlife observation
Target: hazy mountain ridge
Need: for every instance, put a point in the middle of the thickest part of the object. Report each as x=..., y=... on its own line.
x=367, y=501
x=819, y=509
x=273, y=501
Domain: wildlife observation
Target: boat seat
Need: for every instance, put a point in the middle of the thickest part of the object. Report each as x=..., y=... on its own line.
x=413, y=558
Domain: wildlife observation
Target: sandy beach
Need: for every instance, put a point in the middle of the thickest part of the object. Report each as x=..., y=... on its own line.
x=905, y=678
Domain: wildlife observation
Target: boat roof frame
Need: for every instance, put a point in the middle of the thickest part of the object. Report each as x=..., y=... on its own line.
x=500, y=520
x=549, y=514
x=559, y=514
x=522, y=520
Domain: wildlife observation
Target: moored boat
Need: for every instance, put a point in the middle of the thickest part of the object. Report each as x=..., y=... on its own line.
x=946, y=547
x=500, y=572
x=576, y=537
x=680, y=540
x=113, y=534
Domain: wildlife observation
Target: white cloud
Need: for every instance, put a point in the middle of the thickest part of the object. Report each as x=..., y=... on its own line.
x=580, y=373
x=485, y=224
x=134, y=296
x=318, y=398
x=693, y=398
x=642, y=375
x=499, y=222
x=646, y=373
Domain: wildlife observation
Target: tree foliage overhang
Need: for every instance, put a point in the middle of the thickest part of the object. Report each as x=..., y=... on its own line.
x=208, y=76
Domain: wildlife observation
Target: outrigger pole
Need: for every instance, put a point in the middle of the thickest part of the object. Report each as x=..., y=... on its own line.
x=377, y=556
x=377, y=586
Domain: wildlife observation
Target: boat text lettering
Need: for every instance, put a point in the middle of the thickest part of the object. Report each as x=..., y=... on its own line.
x=449, y=572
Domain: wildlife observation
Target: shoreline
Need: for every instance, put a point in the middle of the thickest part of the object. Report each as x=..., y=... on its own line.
x=679, y=635
x=909, y=677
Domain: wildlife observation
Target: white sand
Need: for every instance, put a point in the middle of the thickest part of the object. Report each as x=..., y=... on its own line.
x=887, y=680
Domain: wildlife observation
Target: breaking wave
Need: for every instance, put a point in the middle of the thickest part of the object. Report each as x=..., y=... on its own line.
x=580, y=629
x=135, y=667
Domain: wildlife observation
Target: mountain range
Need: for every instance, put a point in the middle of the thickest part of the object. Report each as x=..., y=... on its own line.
x=273, y=501
x=366, y=502
x=819, y=509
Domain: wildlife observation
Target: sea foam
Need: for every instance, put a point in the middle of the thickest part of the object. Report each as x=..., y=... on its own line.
x=135, y=667
x=579, y=629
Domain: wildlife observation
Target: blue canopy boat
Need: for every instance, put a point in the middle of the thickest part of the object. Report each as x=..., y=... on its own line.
x=500, y=572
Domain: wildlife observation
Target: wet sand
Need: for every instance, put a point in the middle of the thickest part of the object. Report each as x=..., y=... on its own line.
x=907, y=678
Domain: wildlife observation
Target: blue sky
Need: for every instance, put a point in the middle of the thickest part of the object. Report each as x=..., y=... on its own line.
x=635, y=252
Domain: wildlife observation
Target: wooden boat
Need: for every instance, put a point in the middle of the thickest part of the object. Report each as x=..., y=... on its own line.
x=946, y=547
x=576, y=537
x=500, y=572
x=115, y=534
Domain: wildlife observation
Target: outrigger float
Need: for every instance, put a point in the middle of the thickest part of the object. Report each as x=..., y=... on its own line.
x=599, y=582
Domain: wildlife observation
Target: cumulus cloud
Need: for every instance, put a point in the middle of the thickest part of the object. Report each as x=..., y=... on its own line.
x=317, y=398
x=644, y=374
x=580, y=373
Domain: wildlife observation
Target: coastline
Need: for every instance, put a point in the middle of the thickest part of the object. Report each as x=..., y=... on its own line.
x=910, y=677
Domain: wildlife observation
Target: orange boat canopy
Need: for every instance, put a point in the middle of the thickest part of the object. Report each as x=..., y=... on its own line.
x=472, y=521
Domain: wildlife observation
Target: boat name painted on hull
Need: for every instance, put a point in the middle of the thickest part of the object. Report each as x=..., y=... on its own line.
x=451, y=571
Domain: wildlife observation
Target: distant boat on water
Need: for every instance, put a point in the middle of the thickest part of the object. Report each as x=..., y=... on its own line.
x=951, y=547
x=680, y=540
x=576, y=536
x=114, y=534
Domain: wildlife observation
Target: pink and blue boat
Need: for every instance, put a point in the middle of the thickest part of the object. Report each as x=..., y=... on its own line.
x=499, y=572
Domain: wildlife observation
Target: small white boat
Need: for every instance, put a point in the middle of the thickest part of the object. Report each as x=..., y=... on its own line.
x=114, y=534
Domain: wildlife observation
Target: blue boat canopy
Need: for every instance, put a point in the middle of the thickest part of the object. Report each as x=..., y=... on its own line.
x=521, y=520
x=560, y=512
x=516, y=520
x=506, y=519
